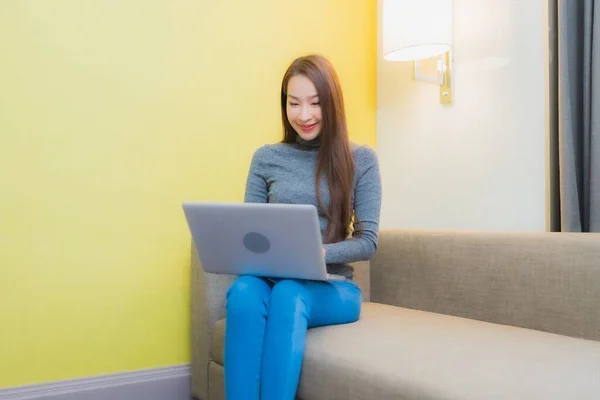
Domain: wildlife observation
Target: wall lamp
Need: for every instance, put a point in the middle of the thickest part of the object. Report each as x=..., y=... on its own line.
x=415, y=30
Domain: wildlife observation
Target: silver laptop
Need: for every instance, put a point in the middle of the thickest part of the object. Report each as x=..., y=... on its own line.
x=266, y=240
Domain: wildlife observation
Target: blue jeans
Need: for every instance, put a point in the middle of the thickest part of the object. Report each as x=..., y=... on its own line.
x=266, y=330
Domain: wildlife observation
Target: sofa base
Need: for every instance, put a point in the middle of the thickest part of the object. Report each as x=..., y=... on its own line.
x=216, y=381
x=396, y=353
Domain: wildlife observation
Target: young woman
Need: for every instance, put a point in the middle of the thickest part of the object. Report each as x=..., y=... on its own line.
x=315, y=164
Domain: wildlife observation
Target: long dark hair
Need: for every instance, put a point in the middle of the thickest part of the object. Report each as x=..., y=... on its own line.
x=335, y=159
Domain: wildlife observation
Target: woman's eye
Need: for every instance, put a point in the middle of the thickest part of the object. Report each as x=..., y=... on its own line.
x=293, y=104
x=316, y=104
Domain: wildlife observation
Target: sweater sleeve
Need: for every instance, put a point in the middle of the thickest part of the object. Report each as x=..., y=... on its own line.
x=367, y=207
x=256, y=182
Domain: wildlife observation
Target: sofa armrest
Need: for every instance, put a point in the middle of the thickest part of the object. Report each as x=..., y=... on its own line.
x=544, y=281
x=208, y=306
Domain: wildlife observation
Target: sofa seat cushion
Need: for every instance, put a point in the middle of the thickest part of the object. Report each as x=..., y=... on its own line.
x=399, y=353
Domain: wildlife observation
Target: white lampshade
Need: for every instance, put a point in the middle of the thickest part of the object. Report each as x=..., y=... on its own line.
x=416, y=29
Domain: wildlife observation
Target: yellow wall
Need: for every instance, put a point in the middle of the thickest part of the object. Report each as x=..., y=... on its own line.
x=111, y=114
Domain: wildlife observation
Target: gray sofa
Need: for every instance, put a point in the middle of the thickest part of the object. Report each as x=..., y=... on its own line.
x=446, y=315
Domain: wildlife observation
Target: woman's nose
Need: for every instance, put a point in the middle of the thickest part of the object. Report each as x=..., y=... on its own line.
x=305, y=114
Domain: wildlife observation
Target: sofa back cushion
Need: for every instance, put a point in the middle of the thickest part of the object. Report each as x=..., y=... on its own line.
x=544, y=281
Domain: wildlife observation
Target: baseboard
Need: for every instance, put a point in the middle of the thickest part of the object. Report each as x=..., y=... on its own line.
x=168, y=383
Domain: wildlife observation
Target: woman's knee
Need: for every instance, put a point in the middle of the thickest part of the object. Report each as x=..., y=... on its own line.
x=289, y=296
x=351, y=298
x=248, y=293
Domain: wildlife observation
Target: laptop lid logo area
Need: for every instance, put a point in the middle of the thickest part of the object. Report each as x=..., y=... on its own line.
x=256, y=242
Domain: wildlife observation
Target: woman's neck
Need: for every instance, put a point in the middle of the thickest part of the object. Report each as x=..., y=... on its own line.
x=313, y=144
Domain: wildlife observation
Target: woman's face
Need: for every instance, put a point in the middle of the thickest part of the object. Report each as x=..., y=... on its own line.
x=303, y=108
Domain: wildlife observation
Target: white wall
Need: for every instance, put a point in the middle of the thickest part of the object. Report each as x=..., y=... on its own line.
x=480, y=163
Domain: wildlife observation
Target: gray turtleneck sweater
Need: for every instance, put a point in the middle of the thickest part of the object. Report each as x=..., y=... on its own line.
x=285, y=173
